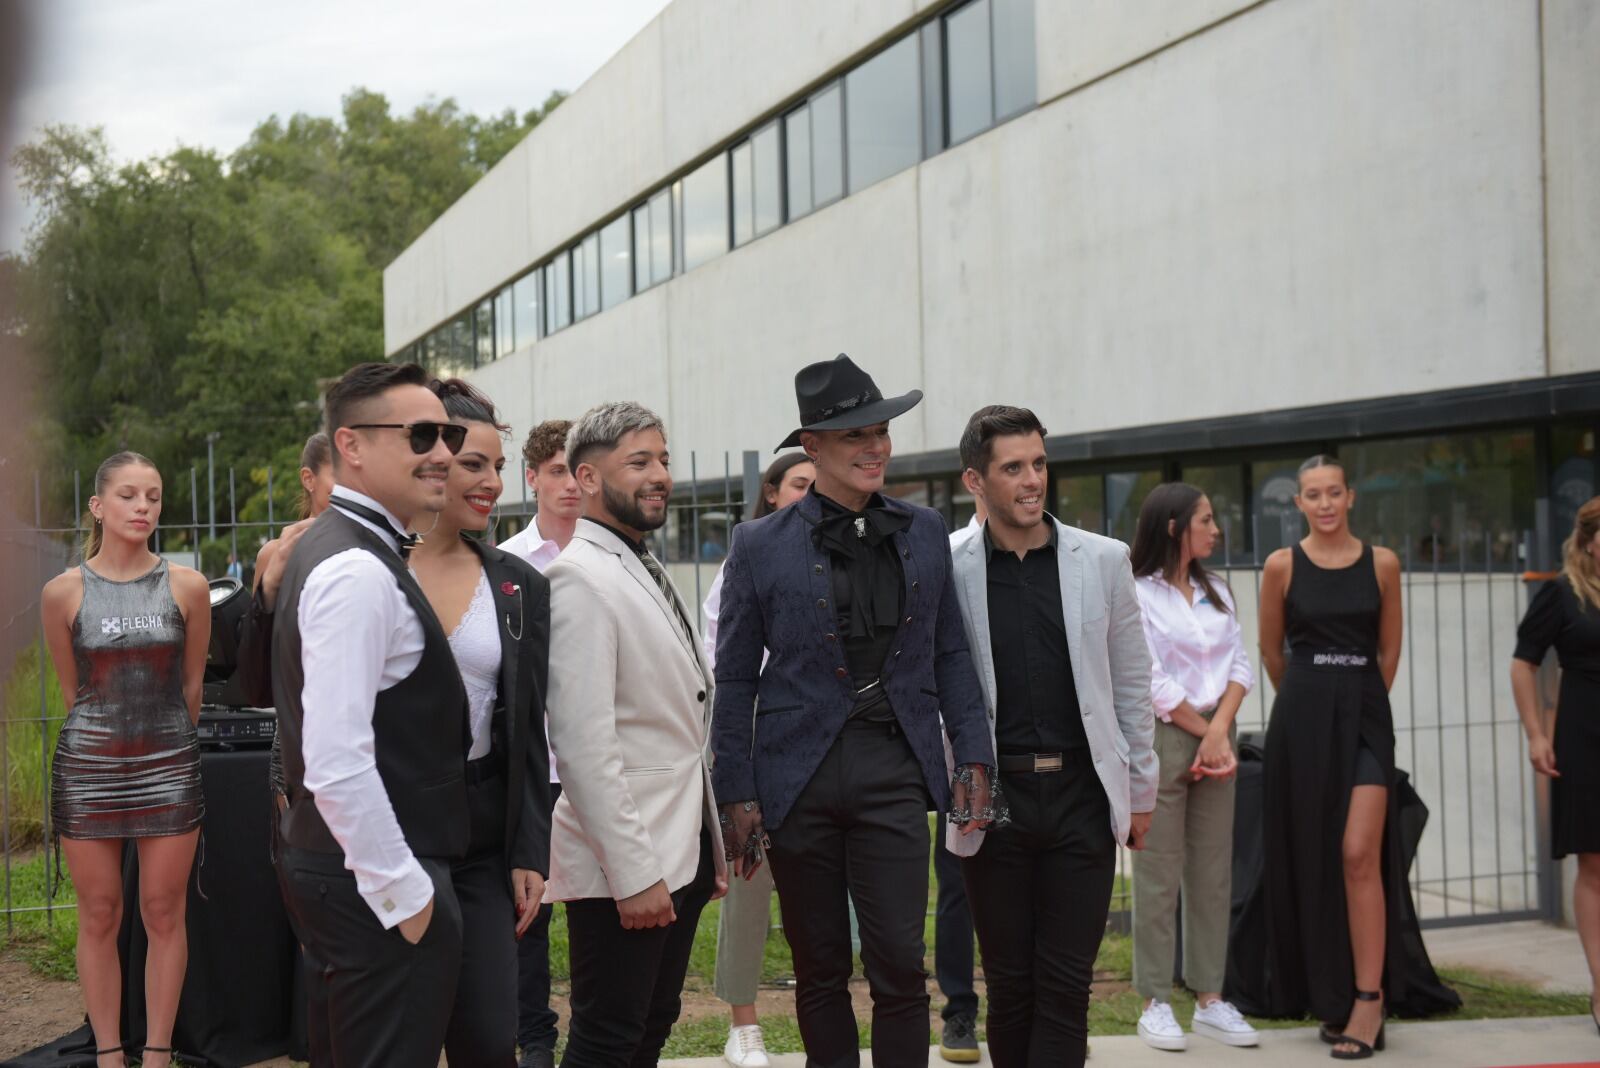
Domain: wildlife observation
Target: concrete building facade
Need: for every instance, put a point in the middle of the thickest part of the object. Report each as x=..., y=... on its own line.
x=1192, y=234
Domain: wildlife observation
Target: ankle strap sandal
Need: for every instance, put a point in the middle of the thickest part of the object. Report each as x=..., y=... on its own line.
x=1362, y=1050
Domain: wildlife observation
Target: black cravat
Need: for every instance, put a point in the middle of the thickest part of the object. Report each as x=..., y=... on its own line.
x=859, y=537
x=403, y=542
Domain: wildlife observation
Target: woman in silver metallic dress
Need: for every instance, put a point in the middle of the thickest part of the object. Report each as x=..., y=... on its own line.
x=128, y=634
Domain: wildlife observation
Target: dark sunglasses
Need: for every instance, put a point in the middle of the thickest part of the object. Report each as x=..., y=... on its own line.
x=424, y=435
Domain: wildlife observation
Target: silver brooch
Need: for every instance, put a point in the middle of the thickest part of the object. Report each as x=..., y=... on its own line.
x=861, y=526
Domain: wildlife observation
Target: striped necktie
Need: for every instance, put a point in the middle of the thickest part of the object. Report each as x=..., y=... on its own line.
x=659, y=573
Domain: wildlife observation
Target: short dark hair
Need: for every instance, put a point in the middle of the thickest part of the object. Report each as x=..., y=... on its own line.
x=347, y=398
x=1321, y=459
x=544, y=441
x=464, y=402
x=986, y=424
x=1158, y=551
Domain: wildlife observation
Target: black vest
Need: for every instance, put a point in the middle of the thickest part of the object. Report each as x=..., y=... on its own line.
x=419, y=724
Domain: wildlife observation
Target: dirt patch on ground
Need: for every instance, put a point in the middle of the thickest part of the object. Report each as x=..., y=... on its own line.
x=34, y=1010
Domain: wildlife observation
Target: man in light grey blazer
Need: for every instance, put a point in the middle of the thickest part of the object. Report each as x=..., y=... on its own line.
x=1052, y=619
x=635, y=848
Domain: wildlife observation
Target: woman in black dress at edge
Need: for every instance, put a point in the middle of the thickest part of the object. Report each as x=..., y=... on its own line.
x=1565, y=613
x=495, y=608
x=128, y=634
x=1345, y=950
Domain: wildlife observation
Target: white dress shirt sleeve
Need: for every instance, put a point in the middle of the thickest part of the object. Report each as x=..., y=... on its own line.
x=1165, y=693
x=1239, y=668
x=351, y=614
x=712, y=606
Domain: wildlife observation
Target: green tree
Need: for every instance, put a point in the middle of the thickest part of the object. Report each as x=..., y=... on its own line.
x=190, y=294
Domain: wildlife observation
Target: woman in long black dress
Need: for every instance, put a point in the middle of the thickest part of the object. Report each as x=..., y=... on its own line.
x=128, y=634
x=1342, y=941
x=1565, y=613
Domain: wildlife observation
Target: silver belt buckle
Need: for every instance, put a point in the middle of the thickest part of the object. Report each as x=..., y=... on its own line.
x=1047, y=762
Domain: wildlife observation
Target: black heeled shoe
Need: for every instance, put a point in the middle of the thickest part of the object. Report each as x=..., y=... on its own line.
x=159, y=1049
x=1362, y=1050
x=110, y=1049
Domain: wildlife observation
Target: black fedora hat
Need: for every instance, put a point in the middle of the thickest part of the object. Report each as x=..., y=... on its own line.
x=837, y=395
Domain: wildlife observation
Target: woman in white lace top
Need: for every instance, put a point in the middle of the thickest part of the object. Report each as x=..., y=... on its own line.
x=495, y=608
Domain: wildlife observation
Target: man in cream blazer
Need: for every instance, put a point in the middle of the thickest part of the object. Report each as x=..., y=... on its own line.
x=1052, y=620
x=635, y=849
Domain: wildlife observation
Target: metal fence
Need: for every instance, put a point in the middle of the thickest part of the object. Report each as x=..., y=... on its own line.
x=1482, y=858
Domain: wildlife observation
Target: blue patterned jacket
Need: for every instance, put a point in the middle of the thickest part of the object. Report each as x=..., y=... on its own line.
x=772, y=725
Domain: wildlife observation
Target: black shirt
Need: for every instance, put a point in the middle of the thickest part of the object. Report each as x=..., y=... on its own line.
x=1038, y=702
x=865, y=647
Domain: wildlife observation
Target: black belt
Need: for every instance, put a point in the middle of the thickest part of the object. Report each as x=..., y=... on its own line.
x=1334, y=659
x=485, y=768
x=1031, y=762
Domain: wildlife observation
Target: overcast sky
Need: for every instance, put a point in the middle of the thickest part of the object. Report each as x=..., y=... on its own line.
x=159, y=73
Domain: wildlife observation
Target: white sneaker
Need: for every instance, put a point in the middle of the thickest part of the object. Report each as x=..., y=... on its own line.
x=1159, y=1028
x=1219, y=1020
x=746, y=1048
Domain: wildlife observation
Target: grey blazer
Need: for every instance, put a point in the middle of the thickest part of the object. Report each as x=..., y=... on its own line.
x=1110, y=663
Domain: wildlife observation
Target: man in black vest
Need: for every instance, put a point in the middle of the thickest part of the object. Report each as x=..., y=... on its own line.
x=374, y=723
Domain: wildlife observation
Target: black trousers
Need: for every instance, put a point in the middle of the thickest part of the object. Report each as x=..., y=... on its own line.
x=483, y=1022
x=1040, y=890
x=536, y=1020
x=858, y=832
x=388, y=1000
x=627, y=985
x=952, y=932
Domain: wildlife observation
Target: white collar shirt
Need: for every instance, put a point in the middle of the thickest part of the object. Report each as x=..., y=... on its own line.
x=359, y=636
x=532, y=546
x=1196, y=650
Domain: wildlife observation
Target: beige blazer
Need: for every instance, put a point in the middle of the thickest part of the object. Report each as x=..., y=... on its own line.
x=629, y=706
x=1110, y=663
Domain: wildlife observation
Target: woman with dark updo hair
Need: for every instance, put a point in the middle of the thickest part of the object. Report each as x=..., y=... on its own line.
x=495, y=609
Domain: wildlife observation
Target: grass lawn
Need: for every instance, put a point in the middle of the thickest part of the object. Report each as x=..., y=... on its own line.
x=48, y=948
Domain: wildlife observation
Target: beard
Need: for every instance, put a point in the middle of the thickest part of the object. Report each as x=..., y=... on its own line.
x=627, y=510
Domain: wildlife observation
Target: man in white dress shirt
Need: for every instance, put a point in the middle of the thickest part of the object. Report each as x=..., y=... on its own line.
x=555, y=491
x=635, y=851
x=374, y=723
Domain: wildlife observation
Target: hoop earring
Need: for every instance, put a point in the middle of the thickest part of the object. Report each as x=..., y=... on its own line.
x=430, y=530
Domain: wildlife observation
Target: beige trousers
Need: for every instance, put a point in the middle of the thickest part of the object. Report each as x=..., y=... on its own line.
x=1189, y=847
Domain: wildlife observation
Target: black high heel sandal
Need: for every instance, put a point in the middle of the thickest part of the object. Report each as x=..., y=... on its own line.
x=159, y=1049
x=1362, y=1051
x=110, y=1049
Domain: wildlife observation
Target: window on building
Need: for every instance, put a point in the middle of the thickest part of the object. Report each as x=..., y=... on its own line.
x=827, y=146
x=660, y=237
x=526, y=300
x=1081, y=502
x=1275, y=520
x=883, y=115
x=969, y=72
x=1573, y=477
x=744, y=200
x=558, y=293
x=1125, y=493
x=428, y=351
x=767, y=178
x=641, y=248
x=616, y=263
x=505, y=338
x=705, y=213
x=930, y=41
x=454, y=355
x=586, y=277
x=1224, y=486
x=483, y=332
x=797, y=160
x=1459, y=501
x=1015, y=84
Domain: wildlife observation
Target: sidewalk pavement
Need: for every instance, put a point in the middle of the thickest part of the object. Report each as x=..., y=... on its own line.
x=1546, y=957
x=1558, y=1040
